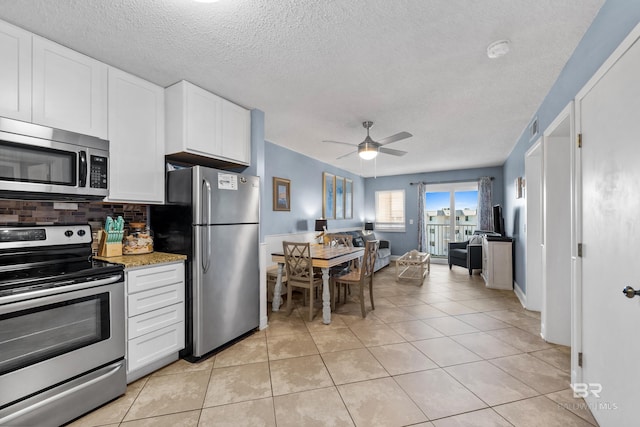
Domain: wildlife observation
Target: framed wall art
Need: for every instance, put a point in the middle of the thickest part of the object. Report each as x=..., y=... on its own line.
x=328, y=195
x=348, y=198
x=281, y=194
x=340, y=197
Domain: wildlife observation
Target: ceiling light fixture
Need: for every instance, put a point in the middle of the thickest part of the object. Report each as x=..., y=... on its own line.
x=367, y=151
x=206, y=1
x=498, y=49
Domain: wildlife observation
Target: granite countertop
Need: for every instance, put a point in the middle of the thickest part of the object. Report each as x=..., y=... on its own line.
x=130, y=261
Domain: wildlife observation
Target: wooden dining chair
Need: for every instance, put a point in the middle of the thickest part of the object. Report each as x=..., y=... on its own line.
x=298, y=263
x=362, y=276
x=337, y=240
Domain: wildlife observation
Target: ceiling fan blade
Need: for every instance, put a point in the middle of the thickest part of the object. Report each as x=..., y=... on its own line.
x=391, y=151
x=346, y=155
x=393, y=138
x=343, y=143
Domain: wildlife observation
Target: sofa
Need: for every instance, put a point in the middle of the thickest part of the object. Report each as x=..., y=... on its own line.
x=384, y=249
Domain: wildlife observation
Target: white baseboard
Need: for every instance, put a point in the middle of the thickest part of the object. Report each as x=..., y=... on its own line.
x=521, y=295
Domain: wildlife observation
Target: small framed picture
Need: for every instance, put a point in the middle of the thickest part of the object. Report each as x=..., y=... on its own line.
x=281, y=194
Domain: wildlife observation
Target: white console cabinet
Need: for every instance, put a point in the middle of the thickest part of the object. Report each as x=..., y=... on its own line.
x=155, y=317
x=201, y=123
x=497, y=269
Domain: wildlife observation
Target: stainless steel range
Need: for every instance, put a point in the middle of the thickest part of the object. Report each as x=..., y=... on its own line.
x=61, y=326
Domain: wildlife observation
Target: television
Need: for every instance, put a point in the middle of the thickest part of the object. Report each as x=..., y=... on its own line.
x=498, y=220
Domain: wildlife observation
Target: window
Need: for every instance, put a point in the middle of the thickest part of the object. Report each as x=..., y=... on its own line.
x=390, y=210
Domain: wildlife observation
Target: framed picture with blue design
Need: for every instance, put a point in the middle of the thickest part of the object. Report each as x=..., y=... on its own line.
x=340, y=197
x=328, y=195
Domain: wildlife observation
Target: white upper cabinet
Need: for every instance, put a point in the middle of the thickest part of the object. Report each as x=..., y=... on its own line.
x=69, y=89
x=15, y=72
x=136, y=139
x=236, y=132
x=201, y=123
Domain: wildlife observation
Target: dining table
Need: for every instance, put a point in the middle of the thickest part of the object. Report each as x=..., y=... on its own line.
x=323, y=257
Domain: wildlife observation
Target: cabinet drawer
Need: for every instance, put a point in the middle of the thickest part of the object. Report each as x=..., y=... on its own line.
x=143, y=302
x=154, y=346
x=154, y=277
x=154, y=320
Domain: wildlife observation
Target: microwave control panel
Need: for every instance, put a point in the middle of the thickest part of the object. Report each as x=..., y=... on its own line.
x=98, y=172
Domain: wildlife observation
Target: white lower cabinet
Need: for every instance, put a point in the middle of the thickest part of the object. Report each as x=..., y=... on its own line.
x=155, y=317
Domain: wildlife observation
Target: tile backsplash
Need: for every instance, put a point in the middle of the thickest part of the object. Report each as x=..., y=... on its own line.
x=13, y=212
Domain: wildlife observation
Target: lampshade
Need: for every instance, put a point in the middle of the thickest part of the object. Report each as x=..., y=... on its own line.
x=321, y=224
x=367, y=151
x=368, y=226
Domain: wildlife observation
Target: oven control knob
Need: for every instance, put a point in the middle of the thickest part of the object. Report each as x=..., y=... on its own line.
x=68, y=233
x=81, y=233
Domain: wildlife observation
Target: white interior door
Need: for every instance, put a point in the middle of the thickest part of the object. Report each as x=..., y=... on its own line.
x=533, y=176
x=608, y=120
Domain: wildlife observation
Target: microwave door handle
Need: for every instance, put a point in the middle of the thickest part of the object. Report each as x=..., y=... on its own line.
x=206, y=208
x=83, y=169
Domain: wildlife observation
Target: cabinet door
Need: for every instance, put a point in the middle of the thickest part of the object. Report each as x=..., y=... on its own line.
x=136, y=137
x=69, y=89
x=15, y=72
x=236, y=133
x=203, y=117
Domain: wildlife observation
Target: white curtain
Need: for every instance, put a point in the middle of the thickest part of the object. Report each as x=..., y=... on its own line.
x=485, y=205
x=422, y=230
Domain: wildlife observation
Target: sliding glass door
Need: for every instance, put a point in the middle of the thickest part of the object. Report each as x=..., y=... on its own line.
x=451, y=212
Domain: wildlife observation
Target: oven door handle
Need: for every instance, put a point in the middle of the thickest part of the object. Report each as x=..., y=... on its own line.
x=59, y=289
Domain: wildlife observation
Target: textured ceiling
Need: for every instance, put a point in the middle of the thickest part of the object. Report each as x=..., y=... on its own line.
x=319, y=68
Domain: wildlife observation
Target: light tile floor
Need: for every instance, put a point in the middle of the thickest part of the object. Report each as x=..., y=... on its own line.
x=448, y=353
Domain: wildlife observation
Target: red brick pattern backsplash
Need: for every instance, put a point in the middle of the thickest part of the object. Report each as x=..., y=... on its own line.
x=14, y=212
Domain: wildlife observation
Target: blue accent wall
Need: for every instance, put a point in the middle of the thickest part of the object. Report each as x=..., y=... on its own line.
x=305, y=174
x=402, y=242
x=613, y=23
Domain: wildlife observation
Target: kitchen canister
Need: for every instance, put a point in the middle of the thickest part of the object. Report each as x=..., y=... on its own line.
x=139, y=240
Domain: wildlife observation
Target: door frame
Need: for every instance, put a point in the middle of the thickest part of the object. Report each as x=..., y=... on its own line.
x=533, y=300
x=576, y=282
x=548, y=136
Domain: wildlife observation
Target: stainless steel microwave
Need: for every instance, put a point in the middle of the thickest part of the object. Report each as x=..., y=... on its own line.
x=41, y=163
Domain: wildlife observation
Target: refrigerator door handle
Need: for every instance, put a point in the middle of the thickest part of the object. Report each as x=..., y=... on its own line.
x=206, y=208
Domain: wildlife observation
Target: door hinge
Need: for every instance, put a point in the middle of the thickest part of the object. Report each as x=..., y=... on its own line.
x=580, y=359
x=580, y=250
x=579, y=140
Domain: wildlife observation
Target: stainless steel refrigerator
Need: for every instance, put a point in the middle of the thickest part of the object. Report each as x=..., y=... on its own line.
x=212, y=216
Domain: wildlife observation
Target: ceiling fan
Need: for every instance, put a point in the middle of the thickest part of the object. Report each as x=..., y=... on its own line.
x=369, y=149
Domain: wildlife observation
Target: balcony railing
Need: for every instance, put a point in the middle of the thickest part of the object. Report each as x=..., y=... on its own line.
x=438, y=237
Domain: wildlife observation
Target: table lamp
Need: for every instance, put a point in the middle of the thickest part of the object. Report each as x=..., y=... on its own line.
x=368, y=226
x=321, y=225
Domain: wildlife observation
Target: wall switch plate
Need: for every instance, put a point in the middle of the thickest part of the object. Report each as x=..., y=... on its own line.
x=410, y=221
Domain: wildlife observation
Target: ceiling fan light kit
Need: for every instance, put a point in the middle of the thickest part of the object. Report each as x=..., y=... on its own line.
x=367, y=151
